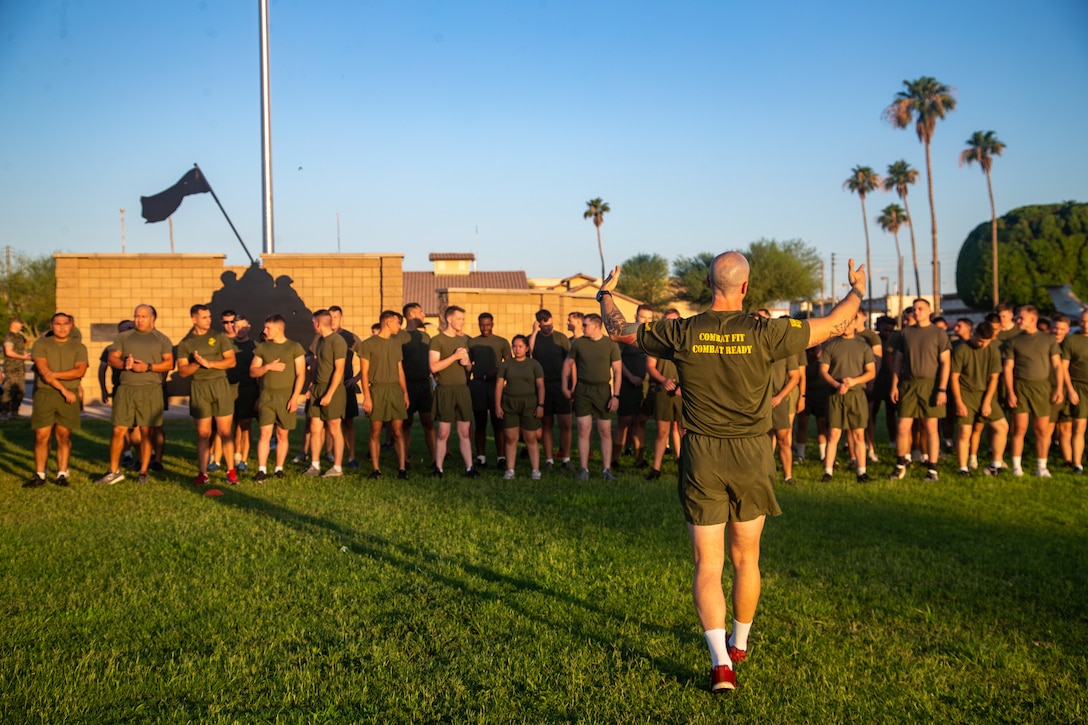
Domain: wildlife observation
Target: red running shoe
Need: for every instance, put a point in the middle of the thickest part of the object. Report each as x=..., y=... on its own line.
x=232, y=476
x=201, y=479
x=722, y=679
x=735, y=654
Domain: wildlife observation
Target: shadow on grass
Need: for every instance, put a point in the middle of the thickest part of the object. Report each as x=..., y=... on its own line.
x=416, y=561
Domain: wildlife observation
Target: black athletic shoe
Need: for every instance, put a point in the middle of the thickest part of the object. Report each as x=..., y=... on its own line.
x=826, y=478
x=34, y=481
x=279, y=474
x=653, y=475
x=261, y=477
x=864, y=477
x=156, y=466
x=375, y=474
x=402, y=475
x=62, y=480
x=436, y=472
x=472, y=473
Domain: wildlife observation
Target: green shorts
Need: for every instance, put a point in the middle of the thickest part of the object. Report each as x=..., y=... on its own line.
x=780, y=415
x=1080, y=410
x=591, y=399
x=50, y=409
x=388, y=400
x=483, y=394
x=272, y=409
x=973, y=402
x=137, y=405
x=1033, y=397
x=631, y=397
x=519, y=412
x=555, y=403
x=918, y=399
x=245, y=404
x=726, y=479
x=211, y=399
x=793, y=397
x=420, y=396
x=848, y=412
x=667, y=407
x=452, y=404
x=332, y=411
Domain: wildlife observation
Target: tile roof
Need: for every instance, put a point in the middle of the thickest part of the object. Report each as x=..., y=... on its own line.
x=420, y=286
x=453, y=256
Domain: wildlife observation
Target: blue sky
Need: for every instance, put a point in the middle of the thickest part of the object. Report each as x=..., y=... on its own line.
x=485, y=126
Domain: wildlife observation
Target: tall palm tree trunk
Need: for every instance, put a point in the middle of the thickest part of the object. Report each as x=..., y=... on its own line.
x=933, y=223
x=600, y=250
x=868, y=258
x=993, y=234
x=899, y=260
x=913, y=249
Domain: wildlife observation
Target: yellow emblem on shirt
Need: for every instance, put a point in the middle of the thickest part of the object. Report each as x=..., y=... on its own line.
x=211, y=341
x=795, y=323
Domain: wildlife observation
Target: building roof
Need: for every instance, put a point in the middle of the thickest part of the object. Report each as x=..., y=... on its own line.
x=420, y=286
x=451, y=256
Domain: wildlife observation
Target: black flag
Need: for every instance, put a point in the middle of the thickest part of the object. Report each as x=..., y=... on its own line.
x=160, y=206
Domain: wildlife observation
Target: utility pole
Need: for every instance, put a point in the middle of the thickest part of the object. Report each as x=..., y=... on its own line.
x=171, y=220
x=122, y=230
x=832, y=274
x=338, y=232
x=823, y=291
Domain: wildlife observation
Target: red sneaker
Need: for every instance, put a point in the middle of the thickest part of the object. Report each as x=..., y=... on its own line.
x=722, y=678
x=201, y=479
x=735, y=654
x=232, y=476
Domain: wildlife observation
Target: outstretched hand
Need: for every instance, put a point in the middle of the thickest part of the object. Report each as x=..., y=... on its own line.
x=611, y=280
x=856, y=276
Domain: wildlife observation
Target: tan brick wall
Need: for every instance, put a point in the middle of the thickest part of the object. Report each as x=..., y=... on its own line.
x=104, y=288
x=515, y=310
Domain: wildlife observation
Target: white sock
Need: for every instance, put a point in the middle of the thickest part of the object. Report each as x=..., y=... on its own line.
x=316, y=465
x=1041, y=463
x=41, y=475
x=279, y=468
x=566, y=460
x=1016, y=461
x=998, y=464
x=59, y=473
x=861, y=470
x=972, y=461
x=719, y=650
x=481, y=459
x=823, y=451
x=337, y=469
x=549, y=460
x=262, y=469
x=829, y=470
x=740, y=634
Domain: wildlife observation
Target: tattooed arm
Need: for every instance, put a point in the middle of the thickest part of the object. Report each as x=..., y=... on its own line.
x=842, y=316
x=618, y=328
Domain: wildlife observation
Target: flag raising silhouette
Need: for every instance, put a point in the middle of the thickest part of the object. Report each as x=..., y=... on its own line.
x=160, y=206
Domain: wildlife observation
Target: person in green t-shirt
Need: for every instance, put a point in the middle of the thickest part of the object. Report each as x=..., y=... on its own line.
x=847, y=364
x=205, y=355
x=724, y=357
x=519, y=403
x=280, y=365
x=1075, y=362
x=667, y=405
x=385, y=390
x=450, y=363
x=976, y=366
x=593, y=369
x=327, y=399
x=143, y=355
x=1062, y=415
x=1032, y=374
x=61, y=363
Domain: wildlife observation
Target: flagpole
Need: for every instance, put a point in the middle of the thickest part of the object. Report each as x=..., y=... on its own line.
x=266, y=134
x=171, y=220
x=225, y=216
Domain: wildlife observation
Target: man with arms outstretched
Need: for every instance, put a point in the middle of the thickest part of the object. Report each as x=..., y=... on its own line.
x=726, y=482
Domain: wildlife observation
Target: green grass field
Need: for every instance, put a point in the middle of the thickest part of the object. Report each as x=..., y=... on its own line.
x=460, y=600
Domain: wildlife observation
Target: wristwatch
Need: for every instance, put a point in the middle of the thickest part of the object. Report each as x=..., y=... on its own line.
x=602, y=293
x=856, y=291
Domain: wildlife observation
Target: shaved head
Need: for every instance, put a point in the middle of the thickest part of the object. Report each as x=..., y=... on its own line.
x=728, y=272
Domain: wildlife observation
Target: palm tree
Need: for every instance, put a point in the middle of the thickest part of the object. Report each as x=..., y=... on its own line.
x=595, y=210
x=925, y=101
x=891, y=218
x=900, y=176
x=861, y=181
x=982, y=147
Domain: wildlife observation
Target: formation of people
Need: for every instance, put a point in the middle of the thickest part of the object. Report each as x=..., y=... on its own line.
x=942, y=390
x=458, y=385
